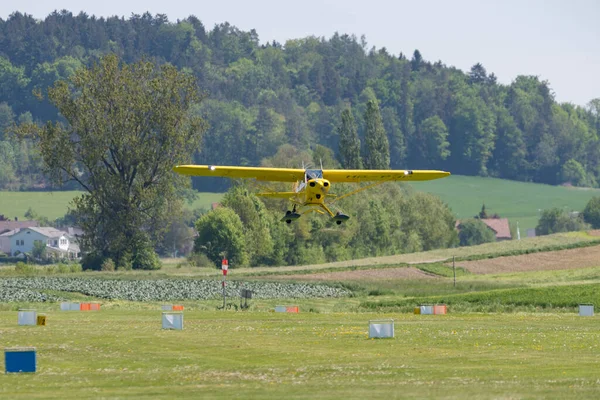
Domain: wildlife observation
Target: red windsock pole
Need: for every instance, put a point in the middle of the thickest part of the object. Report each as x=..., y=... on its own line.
x=224, y=268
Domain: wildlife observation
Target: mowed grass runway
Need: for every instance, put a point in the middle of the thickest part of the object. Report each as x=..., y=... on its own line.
x=122, y=352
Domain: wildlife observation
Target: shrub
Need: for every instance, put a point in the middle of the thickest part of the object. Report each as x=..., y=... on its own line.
x=146, y=258
x=556, y=220
x=25, y=269
x=108, y=265
x=75, y=268
x=591, y=213
x=201, y=260
x=63, y=268
x=92, y=261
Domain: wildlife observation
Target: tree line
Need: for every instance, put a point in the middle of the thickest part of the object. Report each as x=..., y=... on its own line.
x=260, y=96
x=392, y=220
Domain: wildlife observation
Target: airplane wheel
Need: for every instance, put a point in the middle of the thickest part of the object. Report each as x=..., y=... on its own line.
x=289, y=221
x=338, y=222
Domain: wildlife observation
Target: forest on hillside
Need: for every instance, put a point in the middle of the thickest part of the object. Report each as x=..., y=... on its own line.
x=261, y=96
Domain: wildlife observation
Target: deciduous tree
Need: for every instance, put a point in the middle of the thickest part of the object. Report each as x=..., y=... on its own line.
x=126, y=126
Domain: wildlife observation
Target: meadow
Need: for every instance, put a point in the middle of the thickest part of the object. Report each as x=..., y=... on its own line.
x=518, y=201
x=56, y=204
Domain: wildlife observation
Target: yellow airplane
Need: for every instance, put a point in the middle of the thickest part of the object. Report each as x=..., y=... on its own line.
x=311, y=186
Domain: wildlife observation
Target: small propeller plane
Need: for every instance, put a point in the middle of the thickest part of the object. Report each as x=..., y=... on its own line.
x=311, y=186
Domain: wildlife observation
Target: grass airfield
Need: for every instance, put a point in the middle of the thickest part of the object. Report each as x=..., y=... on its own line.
x=511, y=335
x=121, y=352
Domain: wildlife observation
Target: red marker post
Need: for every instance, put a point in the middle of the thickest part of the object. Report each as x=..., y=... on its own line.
x=224, y=268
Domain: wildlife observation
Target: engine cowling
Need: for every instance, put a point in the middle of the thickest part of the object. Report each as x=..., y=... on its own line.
x=316, y=190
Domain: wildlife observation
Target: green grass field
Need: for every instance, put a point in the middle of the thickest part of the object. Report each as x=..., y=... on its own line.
x=121, y=352
x=47, y=204
x=509, y=336
x=55, y=204
x=517, y=201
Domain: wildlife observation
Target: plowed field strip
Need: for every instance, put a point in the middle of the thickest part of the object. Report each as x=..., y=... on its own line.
x=367, y=274
x=563, y=259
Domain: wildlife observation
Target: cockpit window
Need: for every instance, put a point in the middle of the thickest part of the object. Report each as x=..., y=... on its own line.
x=314, y=174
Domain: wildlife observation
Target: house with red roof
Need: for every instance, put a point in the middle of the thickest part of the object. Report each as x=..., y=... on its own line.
x=499, y=226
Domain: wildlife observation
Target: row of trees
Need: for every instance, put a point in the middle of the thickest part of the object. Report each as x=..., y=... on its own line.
x=261, y=96
x=392, y=220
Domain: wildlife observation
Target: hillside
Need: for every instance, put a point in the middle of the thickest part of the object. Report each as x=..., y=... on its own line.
x=260, y=96
x=518, y=201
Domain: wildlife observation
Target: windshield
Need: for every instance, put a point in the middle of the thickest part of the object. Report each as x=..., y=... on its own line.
x=314, y=174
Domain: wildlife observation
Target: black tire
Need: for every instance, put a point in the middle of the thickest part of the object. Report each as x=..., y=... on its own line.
x=289, y=221
x=338, y=222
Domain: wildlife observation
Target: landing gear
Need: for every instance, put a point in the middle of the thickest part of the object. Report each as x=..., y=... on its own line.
x=340, y=217
x=290, y=215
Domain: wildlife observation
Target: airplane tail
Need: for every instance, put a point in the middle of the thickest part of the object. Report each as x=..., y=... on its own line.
x=278, y=195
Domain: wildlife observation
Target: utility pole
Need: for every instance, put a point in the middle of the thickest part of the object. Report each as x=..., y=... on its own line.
x=454, y=270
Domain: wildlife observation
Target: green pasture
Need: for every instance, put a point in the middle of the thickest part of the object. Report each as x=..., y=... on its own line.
x=517, y=201
x=121, y=352
x=55, y=204
x=47, y=204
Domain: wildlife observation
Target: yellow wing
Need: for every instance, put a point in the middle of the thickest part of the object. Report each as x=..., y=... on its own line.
x=258, y=173
x=360, y=175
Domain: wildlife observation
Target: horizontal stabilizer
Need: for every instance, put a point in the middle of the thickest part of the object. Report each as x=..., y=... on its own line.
x=278, y=195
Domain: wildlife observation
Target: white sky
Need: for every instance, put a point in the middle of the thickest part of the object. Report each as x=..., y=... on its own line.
x=558, y=40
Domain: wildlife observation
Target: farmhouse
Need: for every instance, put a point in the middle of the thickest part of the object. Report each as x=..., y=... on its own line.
x=499, y=226
x=7, y=226
x=58, y=243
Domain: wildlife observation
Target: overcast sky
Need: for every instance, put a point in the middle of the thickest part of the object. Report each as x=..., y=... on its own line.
x=558, y=40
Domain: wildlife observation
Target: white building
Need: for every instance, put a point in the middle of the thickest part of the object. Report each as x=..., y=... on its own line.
x=57, y=242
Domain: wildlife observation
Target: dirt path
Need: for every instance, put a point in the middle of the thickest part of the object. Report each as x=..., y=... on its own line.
x=563, y=259
x=367, y=274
